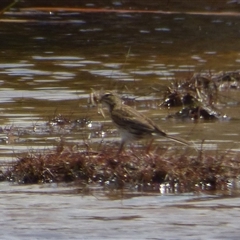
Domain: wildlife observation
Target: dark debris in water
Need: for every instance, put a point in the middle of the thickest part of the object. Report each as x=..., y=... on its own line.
x=63, y=120
x=59, y=120
x=199, y=95
x=197, y=113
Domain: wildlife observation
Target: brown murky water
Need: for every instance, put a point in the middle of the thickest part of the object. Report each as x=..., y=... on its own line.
x=49, y=61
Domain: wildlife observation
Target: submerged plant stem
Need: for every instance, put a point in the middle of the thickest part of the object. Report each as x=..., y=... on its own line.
x=8, y=7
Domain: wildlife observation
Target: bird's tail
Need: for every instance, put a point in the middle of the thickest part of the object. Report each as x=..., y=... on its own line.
x=179, y=140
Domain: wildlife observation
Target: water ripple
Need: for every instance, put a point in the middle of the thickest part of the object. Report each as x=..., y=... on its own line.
x=15, y=65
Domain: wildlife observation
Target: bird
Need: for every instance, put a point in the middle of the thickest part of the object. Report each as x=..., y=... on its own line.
x=132, y=125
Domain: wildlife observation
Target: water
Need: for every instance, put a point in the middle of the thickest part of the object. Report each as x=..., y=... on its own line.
x=49, y=61
x=58, y=212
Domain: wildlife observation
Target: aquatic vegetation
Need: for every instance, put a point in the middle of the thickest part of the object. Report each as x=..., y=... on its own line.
x=199, y=95
x=132, y=168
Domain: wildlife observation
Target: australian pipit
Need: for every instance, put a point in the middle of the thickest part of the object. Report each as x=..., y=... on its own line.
x=131, y=124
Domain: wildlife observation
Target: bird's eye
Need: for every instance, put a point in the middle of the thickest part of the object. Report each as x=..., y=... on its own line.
x=107, y=94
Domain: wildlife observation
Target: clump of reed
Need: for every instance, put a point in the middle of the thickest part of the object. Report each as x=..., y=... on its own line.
x=131, y=168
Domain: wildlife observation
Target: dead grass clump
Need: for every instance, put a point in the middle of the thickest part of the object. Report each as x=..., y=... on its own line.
x=204, y=172
x=133, y=167
x=200, y=94
x=44, y=168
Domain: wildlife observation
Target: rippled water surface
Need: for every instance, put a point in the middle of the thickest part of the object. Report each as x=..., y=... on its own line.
x=49, y=61
x=58, y=212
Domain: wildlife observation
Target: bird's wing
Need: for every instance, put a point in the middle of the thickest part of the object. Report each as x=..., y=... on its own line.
x=134, y=121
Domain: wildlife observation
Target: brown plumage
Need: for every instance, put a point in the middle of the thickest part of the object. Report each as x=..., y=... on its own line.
x=131, y=124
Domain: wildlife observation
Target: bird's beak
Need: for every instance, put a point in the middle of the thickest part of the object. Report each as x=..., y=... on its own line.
x=94, y=100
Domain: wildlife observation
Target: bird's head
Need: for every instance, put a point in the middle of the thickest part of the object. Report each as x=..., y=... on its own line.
x=110, y=99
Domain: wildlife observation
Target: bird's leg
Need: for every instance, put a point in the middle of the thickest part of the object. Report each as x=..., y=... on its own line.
x=120, y=148
x=149, y=146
